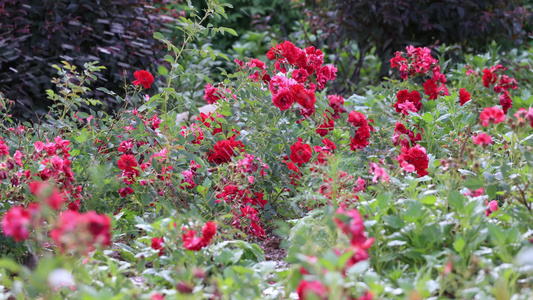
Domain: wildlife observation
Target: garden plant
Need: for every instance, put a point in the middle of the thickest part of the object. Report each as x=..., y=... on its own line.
x=419, y=188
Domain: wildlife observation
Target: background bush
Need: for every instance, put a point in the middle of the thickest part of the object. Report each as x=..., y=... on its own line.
x=354, y=29
x=34, y=34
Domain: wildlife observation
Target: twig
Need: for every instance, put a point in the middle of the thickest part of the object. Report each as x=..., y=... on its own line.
x=468, y=133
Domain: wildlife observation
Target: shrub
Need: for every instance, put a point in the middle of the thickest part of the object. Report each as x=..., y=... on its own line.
x=35, y=34
x=382, y=27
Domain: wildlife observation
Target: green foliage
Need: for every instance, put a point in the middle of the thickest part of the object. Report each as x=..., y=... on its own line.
x=360, y=32
x=406, y=237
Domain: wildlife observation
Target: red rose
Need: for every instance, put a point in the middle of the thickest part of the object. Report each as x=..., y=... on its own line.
x=360, y=139
x=464, y=96
x=143, y=77
x=328, y=125
x=505, y=101
x=336, y=102
x=127, y=162
x=157, y=244
x=404, y=96
x=433, y=90
x=306, y=98
x=15, y=223
x=417, y=157
x=209, y=230
x=81, y=231
x=194, y=243
x=488, y=77
x=223, y=150
x=309, y=288
x=300, y=152
x=283, y=99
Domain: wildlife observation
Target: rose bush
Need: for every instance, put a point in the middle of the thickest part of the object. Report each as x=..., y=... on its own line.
x=420, y=188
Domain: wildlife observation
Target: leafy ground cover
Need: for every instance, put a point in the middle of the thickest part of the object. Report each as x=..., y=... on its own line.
x=417, y=189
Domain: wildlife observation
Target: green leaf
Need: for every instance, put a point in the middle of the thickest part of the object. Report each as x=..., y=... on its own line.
x=473, y=184
x=83, y=115
x=227, y=256
x=459, y=244
x=228, y=30
x=431, y=199
x=383, y=200
x=103, y=89
x=428, y=117
x=456, y=200
x=490, y=190
x=394, y=221
x=162, y=70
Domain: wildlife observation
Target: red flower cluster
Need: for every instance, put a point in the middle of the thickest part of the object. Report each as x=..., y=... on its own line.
x=245, y=216
x=300, y=88
x=286, y=91
x=209, y=120
x=378, y=172
x=224, y=150
x=250, y=164
x=415, y=156
x=492, y=115
x=505, y=101
x=492, y=206
x=4, y=149
x=502, y=83
x=194, y=243
x=128, y=164
x=360, y=139
x=15, y=223
x=190, y=175
x=143, y=77
x=286, y=53
x=482, y=139
x=399, y=131
x=336, y=102
x=53, y=158
x=81, y=231
x=417, y=61
x=522, y=114
x=324, y=151
x=434, y=88
x=213, y=94
x=194, y=130
x=257, y=75
x=237, y=190
x=351, y=223
x=408, y=102
x=328, y=125
x=48, y=194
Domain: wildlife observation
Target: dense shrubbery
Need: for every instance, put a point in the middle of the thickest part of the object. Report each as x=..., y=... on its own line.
x=37, y=34
x=418, y=189
x=357, y=28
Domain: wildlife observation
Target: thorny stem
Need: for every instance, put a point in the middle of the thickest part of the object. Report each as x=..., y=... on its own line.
x=524, y=200
x=467, y=136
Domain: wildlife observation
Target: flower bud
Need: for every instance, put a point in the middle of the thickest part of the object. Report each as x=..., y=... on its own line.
x=14, y=181
x=184, y=288
x=199, y=273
